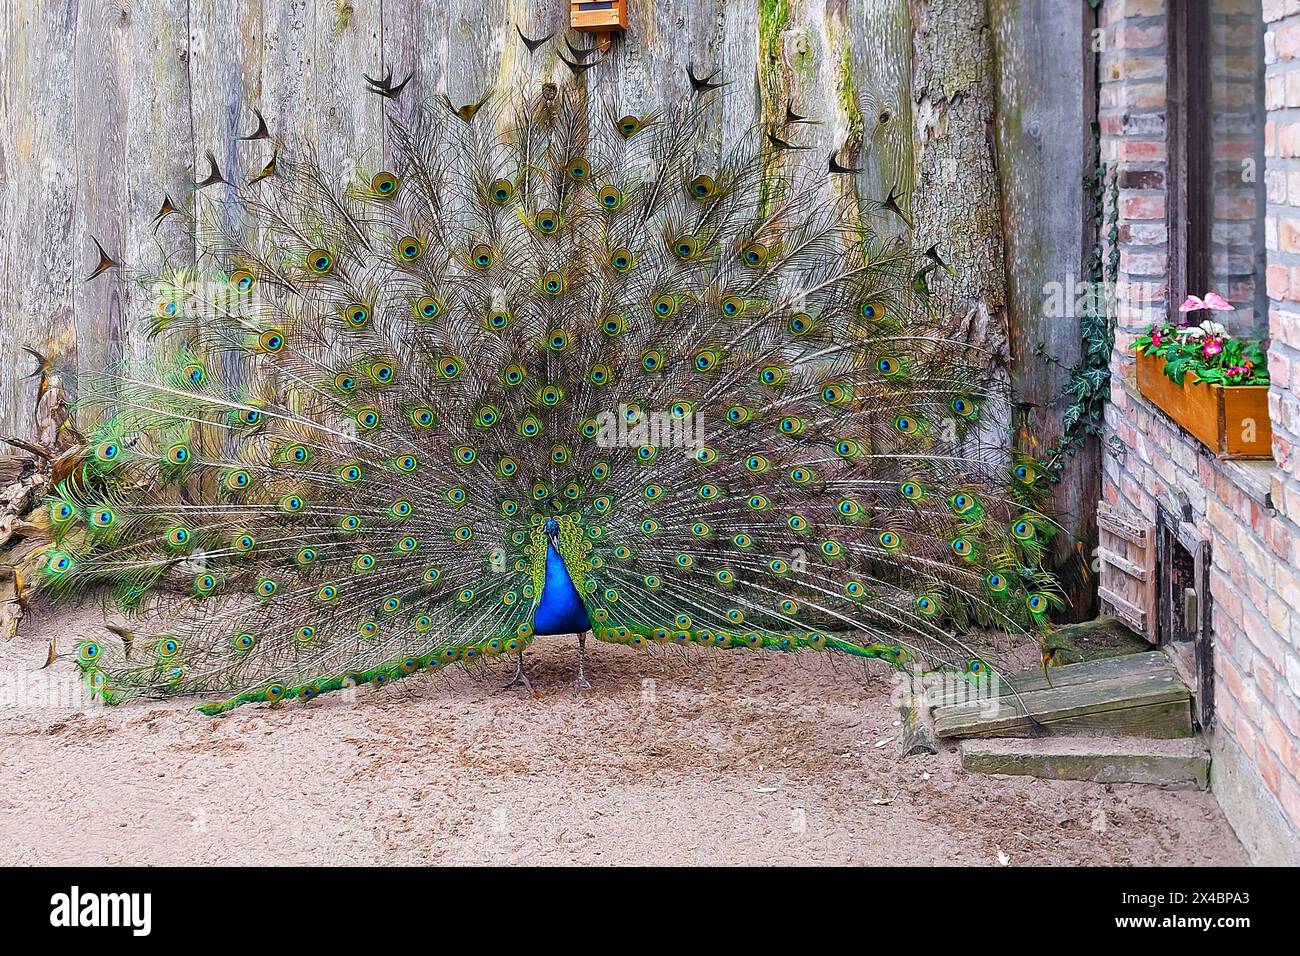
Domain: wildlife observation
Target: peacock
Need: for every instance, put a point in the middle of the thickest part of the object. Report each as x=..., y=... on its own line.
x=557, y=370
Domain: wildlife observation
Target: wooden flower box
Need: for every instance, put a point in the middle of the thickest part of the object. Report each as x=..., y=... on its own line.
x=1232, y=421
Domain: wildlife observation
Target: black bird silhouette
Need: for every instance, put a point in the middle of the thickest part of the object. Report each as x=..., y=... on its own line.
x=106, y=261
x=578, y=68
x=791, y=117
x=702, y=84
x=779, y=144
x=214, y=173
x=580, y=53
x=933, y=255
x=261, y=132
x=836, y=166
x=165, y=210
x=385, y=86
x=891, y=203
x=533, y=45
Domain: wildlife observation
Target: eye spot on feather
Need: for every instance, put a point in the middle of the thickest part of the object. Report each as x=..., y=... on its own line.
x=409, y=248
x=320, y=262
x=610, y=198
x=384, y=185
x=547, y=222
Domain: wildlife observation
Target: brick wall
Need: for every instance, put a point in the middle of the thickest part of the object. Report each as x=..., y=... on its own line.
x=1250, y=513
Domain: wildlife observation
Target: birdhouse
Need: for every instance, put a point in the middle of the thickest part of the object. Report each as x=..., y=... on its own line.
x=601, y=17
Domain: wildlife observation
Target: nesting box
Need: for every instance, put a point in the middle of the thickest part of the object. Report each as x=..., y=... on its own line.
x=598, y=16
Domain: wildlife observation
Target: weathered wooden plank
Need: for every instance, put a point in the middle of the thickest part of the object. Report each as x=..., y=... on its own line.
x=159, y=115
x=1132, y=615
x=1153, y=706
x=1180, y=764
x=40, y=258
x=1040, y=126
x=880, y=70
x=100, y=106
x=414, y=45
x=1129, y=667
x=739, y=57
x=917, y=722
x=313, y=58
x=477, y=31
x=1135, y=571
x=1115, y=523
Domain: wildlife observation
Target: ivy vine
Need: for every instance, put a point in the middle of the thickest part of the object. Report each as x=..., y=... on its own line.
x=1088, y=386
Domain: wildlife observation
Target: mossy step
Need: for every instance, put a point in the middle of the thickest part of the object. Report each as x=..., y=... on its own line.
x=1172, y=764
x=1137, y=695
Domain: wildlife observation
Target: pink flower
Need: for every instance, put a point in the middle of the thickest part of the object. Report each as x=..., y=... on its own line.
x=1212, y=300
x=1212, y=347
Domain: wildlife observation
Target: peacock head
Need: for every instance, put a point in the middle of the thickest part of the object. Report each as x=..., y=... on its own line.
x=552, y=527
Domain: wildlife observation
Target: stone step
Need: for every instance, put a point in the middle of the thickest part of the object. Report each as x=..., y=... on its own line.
x=1173, y=764
x=1137, y=695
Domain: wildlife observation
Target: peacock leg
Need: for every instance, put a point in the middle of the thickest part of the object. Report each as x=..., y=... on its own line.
x=580, y=681
x=520, y=678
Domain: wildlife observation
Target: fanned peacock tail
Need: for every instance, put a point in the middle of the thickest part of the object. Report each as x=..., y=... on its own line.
x=552, y=343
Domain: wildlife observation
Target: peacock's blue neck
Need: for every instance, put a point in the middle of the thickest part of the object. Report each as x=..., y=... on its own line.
x=559, y=609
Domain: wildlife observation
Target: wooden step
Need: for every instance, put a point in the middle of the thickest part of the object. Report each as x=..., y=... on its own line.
x=1138, y=695
x=1172, y=764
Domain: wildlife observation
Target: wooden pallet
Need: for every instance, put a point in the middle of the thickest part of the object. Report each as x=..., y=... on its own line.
x=1137, y=695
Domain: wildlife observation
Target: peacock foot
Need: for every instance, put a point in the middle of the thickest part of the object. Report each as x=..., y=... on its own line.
x=521, y=678
x=580, y=681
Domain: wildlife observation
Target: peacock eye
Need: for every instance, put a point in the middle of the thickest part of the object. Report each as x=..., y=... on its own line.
x=481, y=256
x=754, y=255
x=501, y=191
x=320, y=261
x=552, y=283
x=686, y=247
x=703, y=187
x=409, y=248
x=384, y=184
x=356, y=315
x=548, y=221
x=610, y=197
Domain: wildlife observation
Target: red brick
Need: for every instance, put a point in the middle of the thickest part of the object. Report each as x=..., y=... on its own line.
x=1141, y=151
x=1286, y=41
x=1142, y=207
x=1278, y=282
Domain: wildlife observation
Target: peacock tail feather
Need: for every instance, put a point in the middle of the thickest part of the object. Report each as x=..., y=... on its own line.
x=382, y=420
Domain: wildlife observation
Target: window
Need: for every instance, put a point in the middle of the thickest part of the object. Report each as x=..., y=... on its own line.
x=1216, y=158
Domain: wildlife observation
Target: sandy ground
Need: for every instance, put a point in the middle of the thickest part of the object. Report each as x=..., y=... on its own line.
x=727, y=758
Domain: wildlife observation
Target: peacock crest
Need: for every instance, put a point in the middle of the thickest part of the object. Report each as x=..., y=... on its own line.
x=388, y=425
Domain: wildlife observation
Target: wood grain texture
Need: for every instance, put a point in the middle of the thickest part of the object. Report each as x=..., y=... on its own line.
x=110, y=104
x=43, y=252
x=1041, y=126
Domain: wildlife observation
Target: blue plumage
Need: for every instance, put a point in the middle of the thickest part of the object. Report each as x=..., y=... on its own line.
x=559, y=610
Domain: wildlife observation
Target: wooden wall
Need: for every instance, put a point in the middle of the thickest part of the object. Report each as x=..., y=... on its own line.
x=107, y=105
